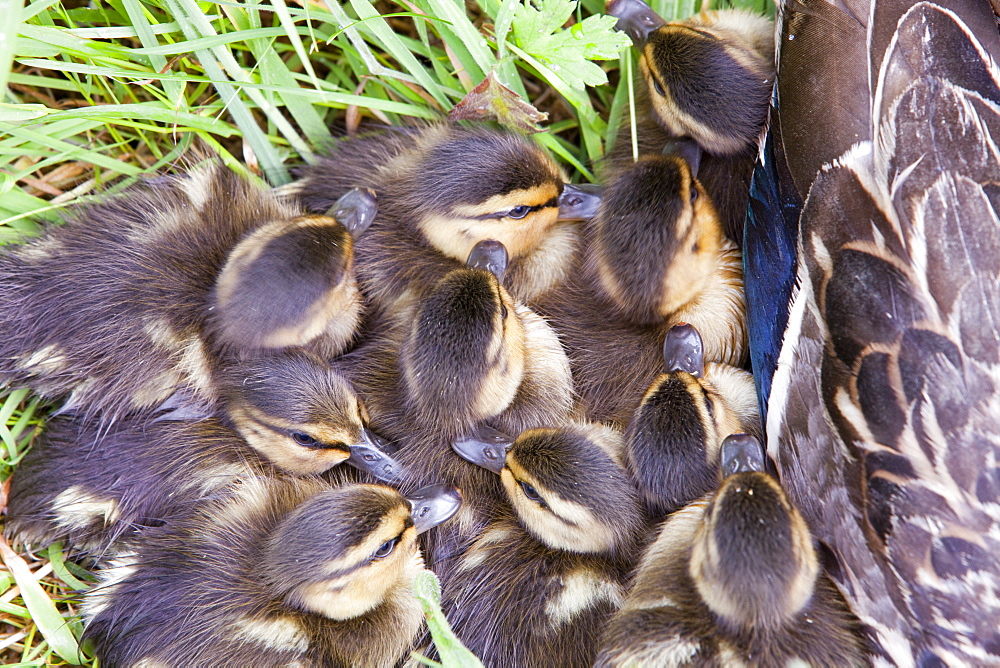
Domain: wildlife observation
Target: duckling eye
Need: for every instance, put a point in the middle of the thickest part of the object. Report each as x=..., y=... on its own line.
x=386, y=548
x=305, y=439
x=503, y=311
x=658, y=87
x=519, y=211
x=694, y=193
x=709, y=405
x=531, y=493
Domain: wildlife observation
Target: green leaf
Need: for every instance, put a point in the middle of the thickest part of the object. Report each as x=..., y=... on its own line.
x=538, y=32
x=491, y=100
x=427, y=589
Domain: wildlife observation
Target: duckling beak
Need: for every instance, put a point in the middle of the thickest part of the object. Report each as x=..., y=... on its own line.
x=687, y=149
x=484, y=447
x=355, y=210
x=579, y=202
x=371, y=456
x=741, y=453
x=635, y=18
x=491, y=255
x=432, y=505
x=683, y=350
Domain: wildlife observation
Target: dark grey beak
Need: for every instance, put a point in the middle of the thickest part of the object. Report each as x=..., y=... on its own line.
x=580, y=202
x=491, y=255
x=371, y=456
x=484, y=447
x=683, y=350
x=741, y=453
x=634, y=18
x=432, y=505
x=355, y=210
x=687, y=149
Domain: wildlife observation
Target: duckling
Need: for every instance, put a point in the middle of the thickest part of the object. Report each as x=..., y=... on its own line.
x=655, y=256
x=442, y=189
x=708, y=78
x=279, y=572
x=734, y=579
x=882, y=415
x=466, y=355
x=96, y=487
x=539, y=583
x=673, y=439
x=145, y=294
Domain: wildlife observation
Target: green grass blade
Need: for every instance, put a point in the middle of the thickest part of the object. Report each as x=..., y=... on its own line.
x=11, y=11
x=453, y=653
x=43, y=611
x=55, y=555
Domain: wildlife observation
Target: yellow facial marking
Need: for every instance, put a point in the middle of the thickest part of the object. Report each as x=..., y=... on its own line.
x=355, y=594
x=455, y=234
x=277, y=446
x=563, y=525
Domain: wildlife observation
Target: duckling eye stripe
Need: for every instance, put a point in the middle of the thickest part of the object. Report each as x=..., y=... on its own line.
x=551, y=203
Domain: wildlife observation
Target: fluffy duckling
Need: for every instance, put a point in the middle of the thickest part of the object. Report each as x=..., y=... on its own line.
x=708, y=78
x=538, y=585
x=441, y=190
x=734, y=579
x=466, y=355
x=279, y=572
x=146, y=293
x=93, y=486
x=673, y=440
x=655, y=256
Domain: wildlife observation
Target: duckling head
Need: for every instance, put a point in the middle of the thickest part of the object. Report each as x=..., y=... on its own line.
x=360, y=544
x=656, y=239
x=291, y=281
x=464, y=357
x=303, y=416
x=564, y=484
x=752, y=559
x=709, y=76
x=473, y=183
x=672, y=442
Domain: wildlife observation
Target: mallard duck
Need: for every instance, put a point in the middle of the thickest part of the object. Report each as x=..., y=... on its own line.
x=538, y=584
x=672, y=441
x=143, y=294
x=280, y=571
x=733, y=579
x=654, y=256
x=467, y=355
x=442, y=189
x=93, y=486
x=883, y=411
x=707, y=78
